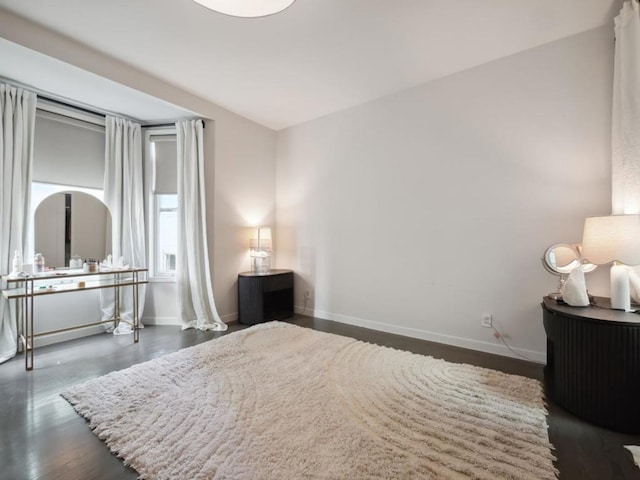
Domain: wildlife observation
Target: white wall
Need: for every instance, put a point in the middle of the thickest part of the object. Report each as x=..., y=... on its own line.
x=239, y=164
x=418, y=212
x=415, y=213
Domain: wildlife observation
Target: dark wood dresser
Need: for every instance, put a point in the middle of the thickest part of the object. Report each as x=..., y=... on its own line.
x=593, y=363
x=265, y=296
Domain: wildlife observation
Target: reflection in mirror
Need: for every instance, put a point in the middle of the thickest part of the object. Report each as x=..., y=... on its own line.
x=72, y=223
x=560, y=259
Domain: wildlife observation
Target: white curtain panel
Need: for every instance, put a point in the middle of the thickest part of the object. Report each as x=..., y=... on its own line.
x=18, y=111
x=625, y=141
x=124, y=195
x=196, y=305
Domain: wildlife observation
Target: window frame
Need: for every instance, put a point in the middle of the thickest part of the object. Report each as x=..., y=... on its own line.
x=157, y=261
x=154, y=207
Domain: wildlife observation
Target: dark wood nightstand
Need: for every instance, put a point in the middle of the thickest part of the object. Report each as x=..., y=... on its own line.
x=265, y=296
x=593, y=363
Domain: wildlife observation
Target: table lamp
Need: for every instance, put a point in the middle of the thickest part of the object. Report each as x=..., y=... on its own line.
x=260, y=250
x=614, y=239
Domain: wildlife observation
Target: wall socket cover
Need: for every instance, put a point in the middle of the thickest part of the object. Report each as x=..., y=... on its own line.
x=487, y=320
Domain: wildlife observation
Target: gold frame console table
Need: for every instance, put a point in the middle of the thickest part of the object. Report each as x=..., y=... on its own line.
x=25, y=288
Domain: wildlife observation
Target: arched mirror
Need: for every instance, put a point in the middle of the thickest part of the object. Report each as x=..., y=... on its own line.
x=560, y=259
x=71, y=223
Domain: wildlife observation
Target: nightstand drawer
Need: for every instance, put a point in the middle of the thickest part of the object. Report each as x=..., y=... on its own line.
x=277, y=282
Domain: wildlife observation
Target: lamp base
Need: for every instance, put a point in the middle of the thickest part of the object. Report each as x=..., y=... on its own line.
x=261, y=264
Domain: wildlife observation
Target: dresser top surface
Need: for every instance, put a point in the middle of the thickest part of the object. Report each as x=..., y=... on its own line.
x=274, y=271
x=599, y=310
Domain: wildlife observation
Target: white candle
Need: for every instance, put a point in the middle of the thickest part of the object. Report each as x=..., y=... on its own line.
x=620, y=295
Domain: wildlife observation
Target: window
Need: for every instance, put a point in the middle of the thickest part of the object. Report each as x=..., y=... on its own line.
x=161, y=153
x=166, y=216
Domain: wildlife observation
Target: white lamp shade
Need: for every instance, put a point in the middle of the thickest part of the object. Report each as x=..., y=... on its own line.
x=261, y=238
x=615, y=238
x=246, y=8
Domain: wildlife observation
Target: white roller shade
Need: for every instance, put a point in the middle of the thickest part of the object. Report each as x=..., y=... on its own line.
x=68, y=151
x=165, y=166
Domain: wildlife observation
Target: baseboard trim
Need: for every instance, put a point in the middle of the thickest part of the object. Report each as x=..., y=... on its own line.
x=498, y=349
x=229, y=319
x=160, y=321
x=51, y=338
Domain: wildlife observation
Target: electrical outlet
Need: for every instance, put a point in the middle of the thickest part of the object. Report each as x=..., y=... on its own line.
x=487, y=320
x=307, y=294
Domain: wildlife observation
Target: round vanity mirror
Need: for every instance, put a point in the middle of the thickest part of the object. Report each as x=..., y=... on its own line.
x=560, y=259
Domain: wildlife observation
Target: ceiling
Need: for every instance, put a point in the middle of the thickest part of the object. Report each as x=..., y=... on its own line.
x=316, y=57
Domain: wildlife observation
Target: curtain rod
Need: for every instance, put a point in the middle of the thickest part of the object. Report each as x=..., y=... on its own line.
x=159, y=125
x=64, y=102
x=162, y=125
x=69, y=105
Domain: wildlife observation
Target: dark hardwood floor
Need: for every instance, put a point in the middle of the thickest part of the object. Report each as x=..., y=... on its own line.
x=41, y=436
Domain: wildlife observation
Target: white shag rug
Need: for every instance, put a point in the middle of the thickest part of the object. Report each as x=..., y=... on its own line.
x=635, y=453
x=278, y=401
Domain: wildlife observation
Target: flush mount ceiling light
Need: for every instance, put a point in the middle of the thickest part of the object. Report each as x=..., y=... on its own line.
x=246, y=8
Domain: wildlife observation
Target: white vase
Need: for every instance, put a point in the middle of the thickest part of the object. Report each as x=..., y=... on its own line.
x=575, y=289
